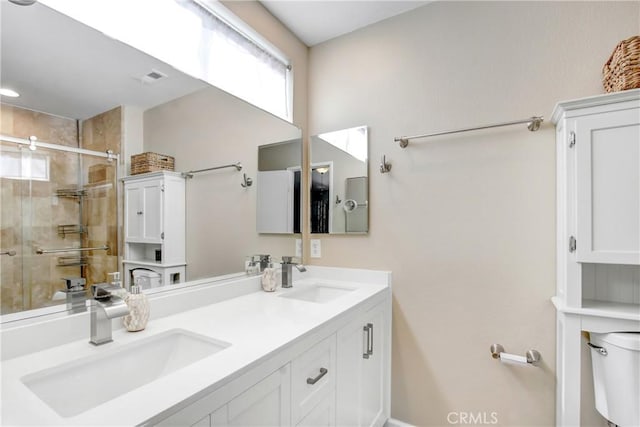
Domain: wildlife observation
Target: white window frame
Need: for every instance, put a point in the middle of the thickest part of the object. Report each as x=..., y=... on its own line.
x=229, y=18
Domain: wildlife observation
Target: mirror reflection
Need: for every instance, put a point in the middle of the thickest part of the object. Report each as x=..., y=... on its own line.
x=279, y=190
x=96, y=95
x=339, y=199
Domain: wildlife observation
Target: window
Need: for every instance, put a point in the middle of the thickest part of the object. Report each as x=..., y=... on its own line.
x=15, y=165
x=198, y=37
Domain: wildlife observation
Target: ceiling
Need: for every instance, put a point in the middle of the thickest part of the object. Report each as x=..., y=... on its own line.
x=68, y=69
x=314, y=22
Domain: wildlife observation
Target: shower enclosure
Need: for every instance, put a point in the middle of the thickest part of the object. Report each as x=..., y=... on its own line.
x=58, y=220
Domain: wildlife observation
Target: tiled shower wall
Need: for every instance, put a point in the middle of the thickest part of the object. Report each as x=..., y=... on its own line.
x=29, y=280
x=101, y=133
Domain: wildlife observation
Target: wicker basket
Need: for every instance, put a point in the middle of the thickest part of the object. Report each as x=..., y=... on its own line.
x=622, y=70
x=151, y=162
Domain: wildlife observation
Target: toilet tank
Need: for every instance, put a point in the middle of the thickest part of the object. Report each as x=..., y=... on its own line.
x=150, y=278
x=615, y=358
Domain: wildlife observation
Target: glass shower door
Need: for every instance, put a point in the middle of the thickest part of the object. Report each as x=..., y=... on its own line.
x=59, y=215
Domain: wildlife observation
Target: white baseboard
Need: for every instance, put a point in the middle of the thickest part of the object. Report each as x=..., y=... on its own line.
x=392, y=422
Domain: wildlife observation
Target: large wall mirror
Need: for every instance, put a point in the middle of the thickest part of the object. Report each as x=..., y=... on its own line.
x=83, y=89
x=339, y=198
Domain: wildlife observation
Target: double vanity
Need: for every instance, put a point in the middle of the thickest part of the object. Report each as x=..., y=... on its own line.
x=216, y=352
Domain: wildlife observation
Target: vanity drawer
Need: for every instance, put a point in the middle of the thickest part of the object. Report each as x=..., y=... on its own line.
x=313, y=377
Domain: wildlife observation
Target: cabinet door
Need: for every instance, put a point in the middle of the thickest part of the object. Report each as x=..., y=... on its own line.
x=361, y=358
x=133, y=212
x=152, y=211
x=373, y=370
x=267, y=403
x=608, y=187
x=143, y=205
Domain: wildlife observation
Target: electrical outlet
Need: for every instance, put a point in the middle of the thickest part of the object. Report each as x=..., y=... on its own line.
x=299, y=248
x=316, y=248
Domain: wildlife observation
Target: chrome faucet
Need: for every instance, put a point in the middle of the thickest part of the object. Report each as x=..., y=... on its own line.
x=287, y=271
x=104, y=307
x=76, y=294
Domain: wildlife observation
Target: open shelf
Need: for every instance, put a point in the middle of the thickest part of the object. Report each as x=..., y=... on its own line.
x=608, y=309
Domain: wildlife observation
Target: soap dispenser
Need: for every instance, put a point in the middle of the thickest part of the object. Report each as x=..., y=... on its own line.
x=138, y=304
x=269, y=278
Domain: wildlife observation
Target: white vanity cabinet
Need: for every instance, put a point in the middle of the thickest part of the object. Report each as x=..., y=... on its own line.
x=598, y=230
x=341, y=379
x=154, y=226
x=266, y=403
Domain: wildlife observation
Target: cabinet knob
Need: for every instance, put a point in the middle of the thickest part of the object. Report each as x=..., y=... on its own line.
x=139, y=212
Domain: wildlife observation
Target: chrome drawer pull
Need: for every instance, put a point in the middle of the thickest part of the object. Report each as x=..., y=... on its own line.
x=312, y=381
x=370, y=349
x=367, y=345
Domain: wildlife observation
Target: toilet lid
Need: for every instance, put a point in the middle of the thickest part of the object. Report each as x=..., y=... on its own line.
x=628, y=340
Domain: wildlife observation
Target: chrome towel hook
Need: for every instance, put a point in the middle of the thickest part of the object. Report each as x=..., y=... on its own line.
x=385, y=167
x=247, y=182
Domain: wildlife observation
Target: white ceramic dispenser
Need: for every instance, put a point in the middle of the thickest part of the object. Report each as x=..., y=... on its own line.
x=138, y=304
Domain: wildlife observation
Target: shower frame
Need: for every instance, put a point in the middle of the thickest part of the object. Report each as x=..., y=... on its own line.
x=34, y=144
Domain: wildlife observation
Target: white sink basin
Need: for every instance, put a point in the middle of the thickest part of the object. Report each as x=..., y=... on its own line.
x=79, y=385
x=319, y=293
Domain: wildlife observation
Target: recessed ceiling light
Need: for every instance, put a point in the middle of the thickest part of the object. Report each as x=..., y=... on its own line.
x=9, y=92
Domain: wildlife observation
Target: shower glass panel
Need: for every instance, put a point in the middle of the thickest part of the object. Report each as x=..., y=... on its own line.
x=54, y=204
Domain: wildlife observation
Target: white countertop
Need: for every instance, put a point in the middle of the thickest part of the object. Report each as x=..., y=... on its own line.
x=257, y=325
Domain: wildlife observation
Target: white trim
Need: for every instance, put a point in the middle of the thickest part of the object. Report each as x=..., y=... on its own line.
x=328, y=164
x=298, y=169
x=225, y=15
x=593, y=101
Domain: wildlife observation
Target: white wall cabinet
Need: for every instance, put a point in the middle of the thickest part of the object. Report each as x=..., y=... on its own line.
x=154, y=226
x=598, y=230
x=607, y=149
x=327, y=383
x=144, y=219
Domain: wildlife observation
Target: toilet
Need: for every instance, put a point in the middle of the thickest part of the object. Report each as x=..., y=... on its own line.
x=615, y=358
x=149, y=278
